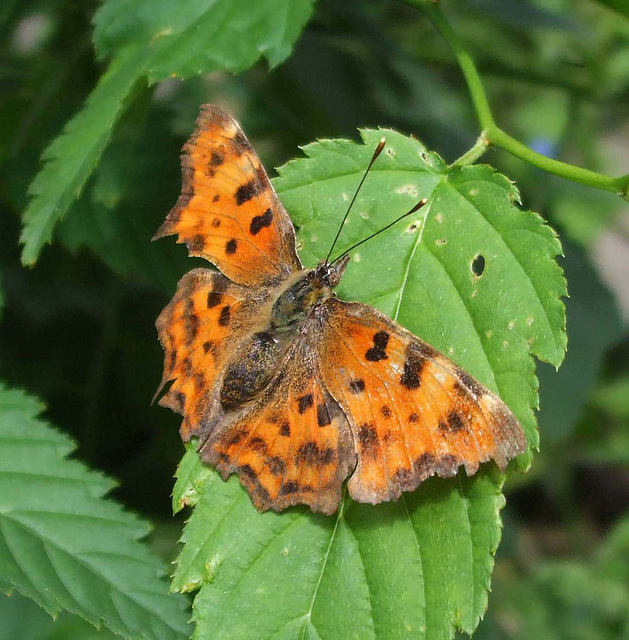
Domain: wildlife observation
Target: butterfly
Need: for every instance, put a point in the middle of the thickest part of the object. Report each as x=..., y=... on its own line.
x=285, y=384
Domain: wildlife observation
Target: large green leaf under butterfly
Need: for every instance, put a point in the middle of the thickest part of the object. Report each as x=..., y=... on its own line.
x=476, y=276
x=65, y=546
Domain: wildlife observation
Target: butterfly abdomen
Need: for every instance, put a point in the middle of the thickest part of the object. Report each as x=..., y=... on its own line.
x=256, y=363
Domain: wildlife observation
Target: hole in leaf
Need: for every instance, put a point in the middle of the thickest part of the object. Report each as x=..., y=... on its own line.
x=478, y=265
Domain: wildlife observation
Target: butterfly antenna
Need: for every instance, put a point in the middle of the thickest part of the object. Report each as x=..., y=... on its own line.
x=376, y=153
x=418, y=206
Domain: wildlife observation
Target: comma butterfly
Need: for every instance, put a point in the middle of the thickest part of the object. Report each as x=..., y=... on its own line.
x=285, y=384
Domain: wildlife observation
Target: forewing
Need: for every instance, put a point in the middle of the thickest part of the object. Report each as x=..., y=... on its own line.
x=228, y=211
x=292, y=446
x=413, y=413
x=201, y=326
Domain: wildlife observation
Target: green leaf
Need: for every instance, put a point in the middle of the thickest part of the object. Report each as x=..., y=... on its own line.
x=124, y=203
x=197, y=36
x=594, y=325
x=22, y=618
x=66, y=547
x=619, y=6
x=419, y=567
x=71, y=158
x=156, y=40
x=580, y=599
x=613, y=397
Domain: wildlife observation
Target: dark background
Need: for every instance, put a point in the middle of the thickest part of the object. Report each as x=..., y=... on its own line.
x=77, y=329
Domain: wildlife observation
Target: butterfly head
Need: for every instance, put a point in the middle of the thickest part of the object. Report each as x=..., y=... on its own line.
x=329, y=274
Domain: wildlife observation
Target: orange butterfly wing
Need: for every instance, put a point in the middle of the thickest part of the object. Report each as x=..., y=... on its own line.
x=228, y=211
x=412, y=412
x=200, y=329
x=292, y=445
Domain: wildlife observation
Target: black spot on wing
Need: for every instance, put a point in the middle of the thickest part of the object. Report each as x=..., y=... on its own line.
x=289, y=487
x=413, y=364
x=258, y=444
x=259, y=222
x=452, y=424
x=305, y=402
x=357, y=386
x=368, y=440
x=215, y=296
x=276, y=465
x=223, y=319
x=247, y=191
x=207, y=346
x=378, y=351
x=323, y=415
x=230, y=246
x=424, y=465
x=191, y=322
x=247, y=471
x=309, y=453
x=240, y=144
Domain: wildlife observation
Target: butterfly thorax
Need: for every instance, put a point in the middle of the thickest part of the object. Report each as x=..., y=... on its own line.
x=260, y=359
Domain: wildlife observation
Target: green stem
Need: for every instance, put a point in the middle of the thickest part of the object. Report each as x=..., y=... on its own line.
x=470, y=157
x=492, y=134
x=569, y=171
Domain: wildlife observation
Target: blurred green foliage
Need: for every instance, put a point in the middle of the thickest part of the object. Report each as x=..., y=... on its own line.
x=77, y=329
